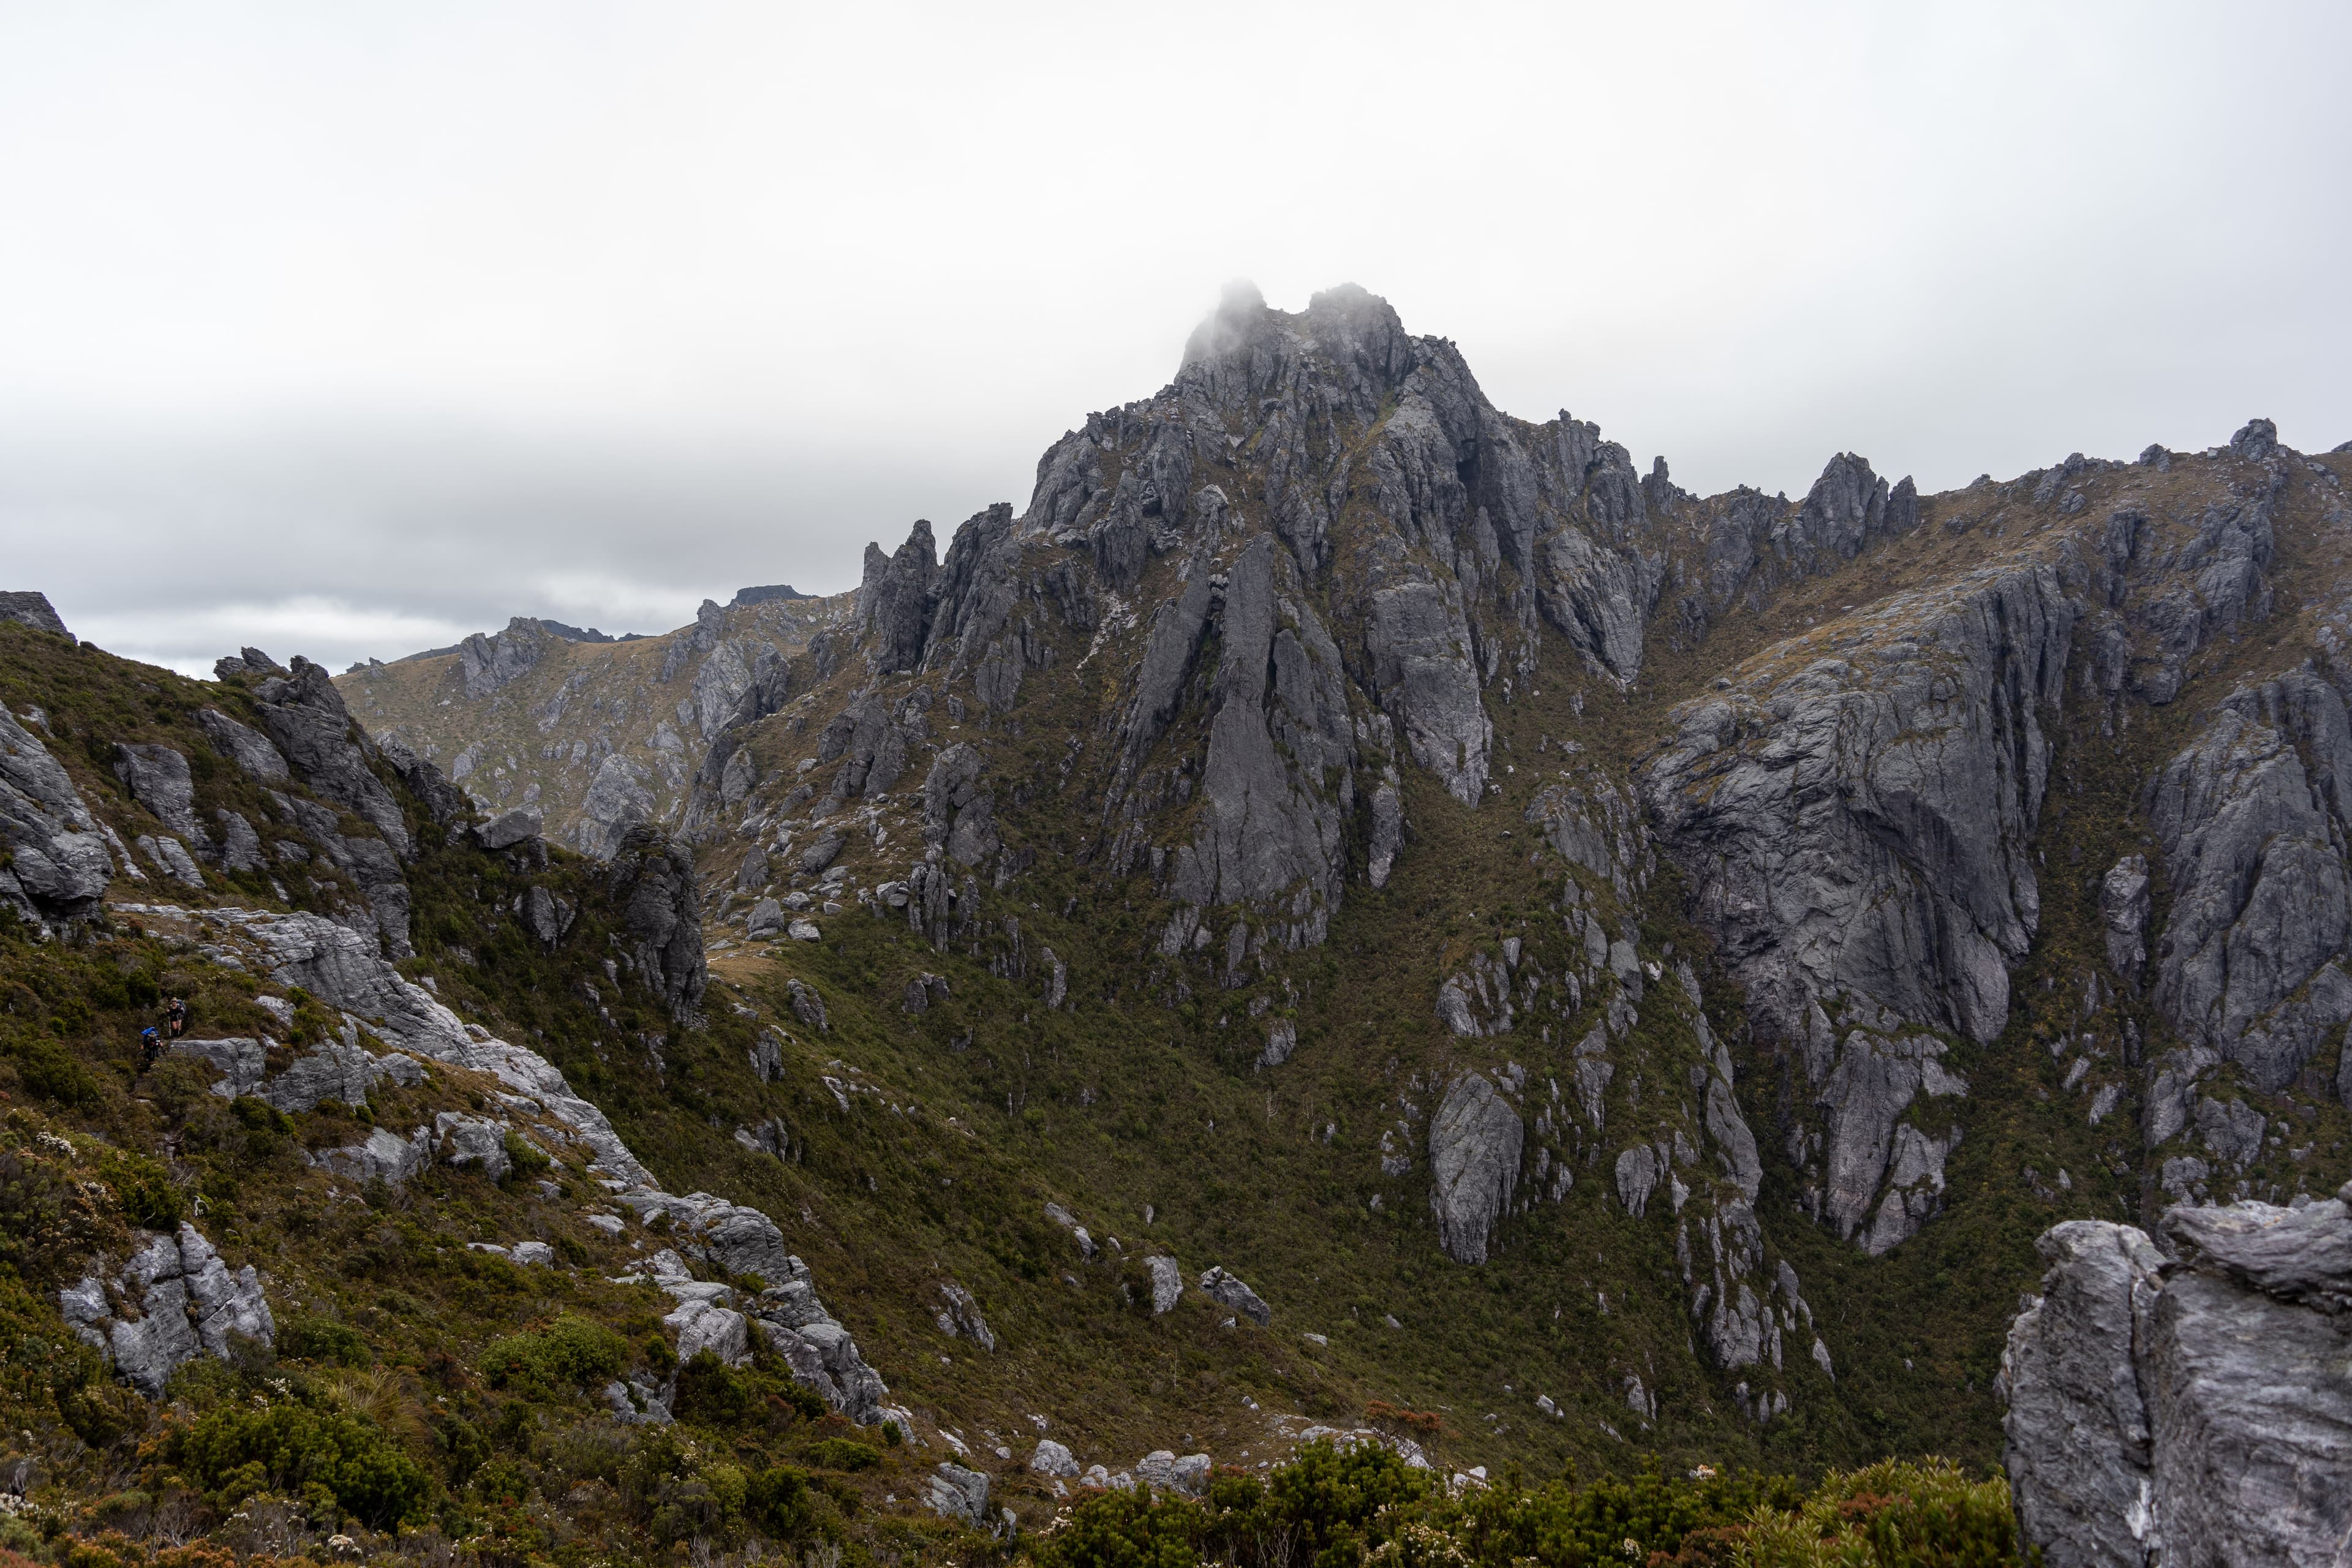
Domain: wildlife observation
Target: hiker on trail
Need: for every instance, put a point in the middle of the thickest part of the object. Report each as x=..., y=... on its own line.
x=150, y=1046
x=175, y=1013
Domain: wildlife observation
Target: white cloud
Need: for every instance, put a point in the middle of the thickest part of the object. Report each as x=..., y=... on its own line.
x=333, y=632
x=454, y=311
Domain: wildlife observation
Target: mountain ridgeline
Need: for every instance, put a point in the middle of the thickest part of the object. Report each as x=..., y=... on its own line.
x=1352, y=916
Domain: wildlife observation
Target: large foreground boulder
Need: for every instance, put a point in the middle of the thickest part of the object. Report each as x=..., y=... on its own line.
x=2189, y=1405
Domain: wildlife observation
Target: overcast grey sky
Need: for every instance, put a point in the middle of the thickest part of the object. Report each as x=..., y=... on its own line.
x=348, y=329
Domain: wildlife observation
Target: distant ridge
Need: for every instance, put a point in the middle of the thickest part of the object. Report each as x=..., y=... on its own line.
x=569, y=634
x=761, y=595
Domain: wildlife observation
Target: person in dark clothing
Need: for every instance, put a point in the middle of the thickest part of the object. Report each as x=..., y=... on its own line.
x=150, y=1046
x=175, y=1015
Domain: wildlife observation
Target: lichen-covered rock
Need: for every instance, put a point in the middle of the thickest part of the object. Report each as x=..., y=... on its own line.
x=2186, y=1413
x=1474, y=1141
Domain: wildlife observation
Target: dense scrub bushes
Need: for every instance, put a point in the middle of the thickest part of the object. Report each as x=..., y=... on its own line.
x=1345, y=1509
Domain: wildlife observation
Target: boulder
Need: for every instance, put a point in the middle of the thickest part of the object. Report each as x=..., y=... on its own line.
x=383, y=1156
x=1051, y=1458
x=507, y=829
x=1474, y=1142
x=959, y=1494
x=471, y=1141
x=1167, y=1282
x=1228, y=1291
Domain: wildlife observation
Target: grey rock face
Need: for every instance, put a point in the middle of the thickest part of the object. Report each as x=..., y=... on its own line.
x=895, y=602
x=343, y=969
x=807, y=1005
x=343, y=1072
x=652, y=880
x=2261, y=896
x=190, y=1305
x=1228, y=1291
x=547, y=916
x=57, y=865
x=1388, y=834
x=1419, y=644
x=958, y=811
x=171, y=856
x=1861, y=826
x=1474, y=1142
x=306, y=716
x=444, y=803
x=1872, y=1149
x=338, y=967
x=767, y=918
x=158, y=779
x=2123, y=909
x=32, y=609
x=1590, y=823
x=488, y=663
x=240, y=846
x=617, y=804
x=249, y=748
x=2077, y=1427
x=473, y=1143
x=2191, y=1413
